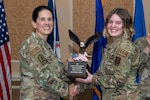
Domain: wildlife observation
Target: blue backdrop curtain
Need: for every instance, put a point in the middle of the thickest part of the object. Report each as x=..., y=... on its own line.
x=98, y=46
x=139, y=20
x=139, y=24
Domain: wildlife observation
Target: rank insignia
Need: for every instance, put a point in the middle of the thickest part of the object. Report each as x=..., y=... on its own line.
x=117, y=60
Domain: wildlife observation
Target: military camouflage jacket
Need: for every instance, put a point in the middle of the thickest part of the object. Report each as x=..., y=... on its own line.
x=144, y=70
x=41, y=72
x=144, y=58
x=117, y=73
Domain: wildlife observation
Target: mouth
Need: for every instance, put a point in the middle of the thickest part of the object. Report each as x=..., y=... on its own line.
x=113, y=30
x=47, y=28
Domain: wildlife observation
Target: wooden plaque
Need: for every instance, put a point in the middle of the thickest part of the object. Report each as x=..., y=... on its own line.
x=77, y=69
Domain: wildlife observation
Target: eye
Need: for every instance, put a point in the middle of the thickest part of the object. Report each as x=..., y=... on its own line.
x=110, y=22
x=42, y=19
x=118, y=22
x=50, y=19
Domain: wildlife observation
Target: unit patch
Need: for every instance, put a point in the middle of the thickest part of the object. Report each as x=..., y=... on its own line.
x=42, y=59
x=122, y=52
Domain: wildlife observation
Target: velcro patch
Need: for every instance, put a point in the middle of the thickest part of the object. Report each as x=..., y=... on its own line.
x=38, y=56
x=35, y=50
x=117, y=60
x=122, y=52
x=42, y=59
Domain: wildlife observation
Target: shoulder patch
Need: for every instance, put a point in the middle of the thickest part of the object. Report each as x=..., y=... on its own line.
x=122, y=52
x=38, y=56
x=35, y=50
x=42, y=59
x=117, y=60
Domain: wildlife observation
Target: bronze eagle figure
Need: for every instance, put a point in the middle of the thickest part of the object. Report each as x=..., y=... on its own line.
x=84, y=45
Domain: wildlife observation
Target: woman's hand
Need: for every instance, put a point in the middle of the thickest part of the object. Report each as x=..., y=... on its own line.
x=147, y=48
x=148, y=40
x=87, y=80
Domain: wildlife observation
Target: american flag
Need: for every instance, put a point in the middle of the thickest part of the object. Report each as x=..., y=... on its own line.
x=5, y=65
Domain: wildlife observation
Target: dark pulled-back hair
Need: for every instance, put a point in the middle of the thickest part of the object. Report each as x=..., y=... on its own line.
x=37, y=10
x=126, y=19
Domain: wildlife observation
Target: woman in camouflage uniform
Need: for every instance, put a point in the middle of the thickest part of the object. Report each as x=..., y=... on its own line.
x=143, y=44
x=117, y=72
x=41, y=72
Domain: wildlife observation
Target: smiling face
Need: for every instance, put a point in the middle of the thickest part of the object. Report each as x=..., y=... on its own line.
x=115, y=26
x=43, y=24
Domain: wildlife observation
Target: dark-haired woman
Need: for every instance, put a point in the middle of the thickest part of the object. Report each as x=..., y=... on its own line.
x=41, y=72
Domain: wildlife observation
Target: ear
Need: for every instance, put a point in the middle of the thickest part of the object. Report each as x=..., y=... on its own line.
x=33, y=24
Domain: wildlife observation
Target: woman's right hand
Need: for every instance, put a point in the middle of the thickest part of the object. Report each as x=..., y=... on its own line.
x=87, y=80
x=147, y=48
x=148, y=39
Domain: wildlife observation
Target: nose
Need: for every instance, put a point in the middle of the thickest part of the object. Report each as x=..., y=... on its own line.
x=113, y=24
x=47, y=21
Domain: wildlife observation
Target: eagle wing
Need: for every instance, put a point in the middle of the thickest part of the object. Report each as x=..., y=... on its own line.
x=74, y=37
x=93, y=38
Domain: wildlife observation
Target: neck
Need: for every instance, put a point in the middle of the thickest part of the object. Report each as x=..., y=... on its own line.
x=42, y=36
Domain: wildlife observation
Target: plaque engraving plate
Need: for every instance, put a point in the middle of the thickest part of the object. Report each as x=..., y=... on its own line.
x=77, y=69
